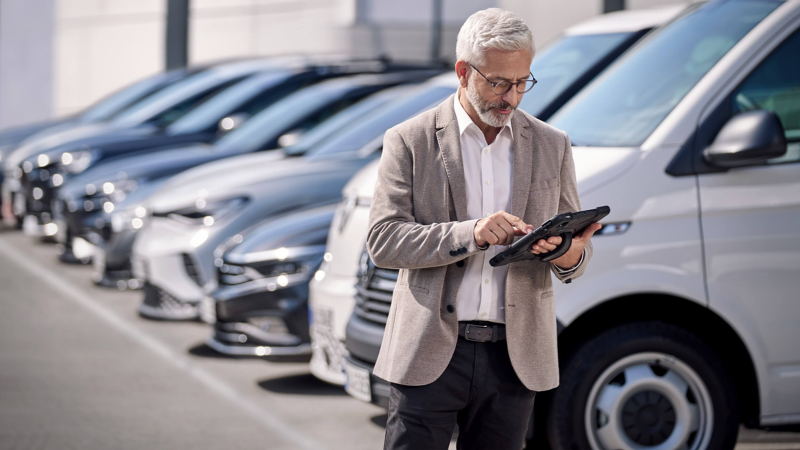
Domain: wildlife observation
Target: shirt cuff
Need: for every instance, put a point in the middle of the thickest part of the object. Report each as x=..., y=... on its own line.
x=571, y=269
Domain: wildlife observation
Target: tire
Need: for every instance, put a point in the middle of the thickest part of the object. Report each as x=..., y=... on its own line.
x=643, y=385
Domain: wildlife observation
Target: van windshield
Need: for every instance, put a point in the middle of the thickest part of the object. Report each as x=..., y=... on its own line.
x=562, y=63
x=628, y=102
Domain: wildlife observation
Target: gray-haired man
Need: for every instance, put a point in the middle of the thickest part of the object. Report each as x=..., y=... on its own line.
x=465, y=342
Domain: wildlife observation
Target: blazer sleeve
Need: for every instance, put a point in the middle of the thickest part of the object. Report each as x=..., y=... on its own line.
x=569, y=201
x=395, y=240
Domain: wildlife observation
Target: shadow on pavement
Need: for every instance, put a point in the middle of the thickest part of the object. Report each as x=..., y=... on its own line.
x=300, y=384
x=379, y=420
x=205, y=351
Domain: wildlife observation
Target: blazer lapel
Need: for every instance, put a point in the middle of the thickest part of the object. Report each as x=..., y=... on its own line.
x=450, y=147
x=523, y=148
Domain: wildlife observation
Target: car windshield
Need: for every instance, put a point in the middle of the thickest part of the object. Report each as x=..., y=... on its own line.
x=364, y=132
x=211, y=112
x=560, y=64
x=339, y=123
x=625, y=105
x=106, y=108
x=180, y=98
x=273, y=121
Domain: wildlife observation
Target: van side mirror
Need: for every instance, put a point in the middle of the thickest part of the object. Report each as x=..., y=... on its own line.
x=231, y=122
x=748, y=138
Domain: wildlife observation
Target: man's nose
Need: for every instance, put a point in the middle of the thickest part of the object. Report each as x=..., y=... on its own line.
x=512, y=97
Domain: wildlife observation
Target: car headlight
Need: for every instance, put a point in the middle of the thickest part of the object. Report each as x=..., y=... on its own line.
x=205, y=212
x=128, y=219
x=277, y=268
x=76, y=162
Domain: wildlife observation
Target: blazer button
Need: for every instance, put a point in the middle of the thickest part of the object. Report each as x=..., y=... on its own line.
x=450, y=307
x=460, y=263
x=463, y=249
x=453, y=253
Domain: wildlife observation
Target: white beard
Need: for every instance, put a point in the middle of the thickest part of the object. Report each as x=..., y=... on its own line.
x=485, y=109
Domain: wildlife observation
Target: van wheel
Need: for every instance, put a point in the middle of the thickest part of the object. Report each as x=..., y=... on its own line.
x=647, y=385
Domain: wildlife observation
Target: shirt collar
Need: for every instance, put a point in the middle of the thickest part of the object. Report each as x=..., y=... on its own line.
x=464, y=120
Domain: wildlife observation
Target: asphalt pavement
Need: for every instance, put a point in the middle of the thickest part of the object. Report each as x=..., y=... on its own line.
x=79, y=369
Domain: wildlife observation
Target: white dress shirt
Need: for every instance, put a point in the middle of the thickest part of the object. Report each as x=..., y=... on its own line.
x=488, y=172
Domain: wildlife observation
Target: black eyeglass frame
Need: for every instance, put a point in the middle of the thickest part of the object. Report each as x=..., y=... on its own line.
x=510, y=84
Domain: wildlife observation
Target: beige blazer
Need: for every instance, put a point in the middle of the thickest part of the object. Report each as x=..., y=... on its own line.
x=418, y=223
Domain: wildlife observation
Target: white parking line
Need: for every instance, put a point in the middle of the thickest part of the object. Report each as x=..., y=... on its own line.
x=183, y=363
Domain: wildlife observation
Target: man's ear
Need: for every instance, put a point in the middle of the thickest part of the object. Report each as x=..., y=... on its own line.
x=462, y=70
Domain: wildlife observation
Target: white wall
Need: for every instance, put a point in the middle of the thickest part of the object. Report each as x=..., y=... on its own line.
x=26, y=60
x=103, y=45
x=232, y=28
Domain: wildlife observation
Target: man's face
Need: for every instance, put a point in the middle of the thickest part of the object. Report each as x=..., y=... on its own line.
x=496, y=110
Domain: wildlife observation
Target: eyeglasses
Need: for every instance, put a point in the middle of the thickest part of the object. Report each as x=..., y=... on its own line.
x=502, y=87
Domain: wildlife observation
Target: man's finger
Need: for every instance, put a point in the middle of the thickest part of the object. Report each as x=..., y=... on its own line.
x=514, y=220
x=509, y=230
x=497, y=231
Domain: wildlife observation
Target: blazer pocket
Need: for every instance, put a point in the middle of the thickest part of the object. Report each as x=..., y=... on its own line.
x=542, y=185
x=407, y=287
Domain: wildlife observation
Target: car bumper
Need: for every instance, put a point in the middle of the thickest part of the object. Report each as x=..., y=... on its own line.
x=253, y=320
x=379, y=388
x=330, y=304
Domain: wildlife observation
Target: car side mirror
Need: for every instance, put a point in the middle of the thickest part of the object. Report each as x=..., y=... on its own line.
x=231, y=122
x=290, y=138
x=748, y=138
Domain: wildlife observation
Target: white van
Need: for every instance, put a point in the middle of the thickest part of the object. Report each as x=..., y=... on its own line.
x=687, y=320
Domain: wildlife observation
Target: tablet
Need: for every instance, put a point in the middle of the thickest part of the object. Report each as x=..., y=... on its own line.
x=565, y=225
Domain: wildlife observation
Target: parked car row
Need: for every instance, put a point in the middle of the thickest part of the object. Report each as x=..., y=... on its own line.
x=238, y=194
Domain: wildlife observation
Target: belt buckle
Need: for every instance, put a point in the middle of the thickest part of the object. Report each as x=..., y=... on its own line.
x=467, y=329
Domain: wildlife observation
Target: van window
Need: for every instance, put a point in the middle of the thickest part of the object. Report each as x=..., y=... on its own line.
x=775, y=86
x=628, y=102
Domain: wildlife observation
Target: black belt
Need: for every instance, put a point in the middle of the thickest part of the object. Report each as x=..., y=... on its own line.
x=482, y=331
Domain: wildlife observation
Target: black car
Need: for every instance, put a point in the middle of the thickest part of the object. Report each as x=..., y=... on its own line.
x=260, y=307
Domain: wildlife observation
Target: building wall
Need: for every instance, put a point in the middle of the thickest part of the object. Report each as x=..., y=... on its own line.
x=26, y=61
x=99, y=46
x=103, y=45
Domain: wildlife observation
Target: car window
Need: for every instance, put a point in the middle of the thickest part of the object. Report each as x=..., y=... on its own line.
x=339, y=123
x=115, y=103
x=248, y=97
x=563, y=62
x=623, y=106
x=775, y=86
x=302, y=108
x=363, y=132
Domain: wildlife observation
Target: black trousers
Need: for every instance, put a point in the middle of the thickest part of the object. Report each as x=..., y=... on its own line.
x=479, y=390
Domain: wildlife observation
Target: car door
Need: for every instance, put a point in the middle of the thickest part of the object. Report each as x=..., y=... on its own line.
x=750, y=220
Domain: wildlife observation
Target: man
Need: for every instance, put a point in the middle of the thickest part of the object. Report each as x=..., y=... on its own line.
x=465, y=342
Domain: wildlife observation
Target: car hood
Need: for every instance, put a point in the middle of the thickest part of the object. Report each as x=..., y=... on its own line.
x=252, y=176
x=296, y=229
x=140, y=167
x=83, y=137
x=596, y=166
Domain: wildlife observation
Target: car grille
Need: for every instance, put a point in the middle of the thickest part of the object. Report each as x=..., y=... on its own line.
x=374, y=291
x=191, y=269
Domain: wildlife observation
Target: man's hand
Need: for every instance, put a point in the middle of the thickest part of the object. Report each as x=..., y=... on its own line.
x=573, y=255
x=499, y=229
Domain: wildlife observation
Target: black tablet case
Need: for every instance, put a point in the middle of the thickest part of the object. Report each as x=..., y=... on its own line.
x=565, y=225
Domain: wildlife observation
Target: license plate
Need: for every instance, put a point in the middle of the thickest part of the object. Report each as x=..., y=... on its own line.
x=61, y=231
x=208, y=310
x=19, y=204
x=30, y=226
x=357, y=383
x=83, y=249
x=99, y=262
x=138, y=268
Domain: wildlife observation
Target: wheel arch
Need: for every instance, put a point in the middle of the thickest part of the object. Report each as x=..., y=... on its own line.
x=678, y=311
